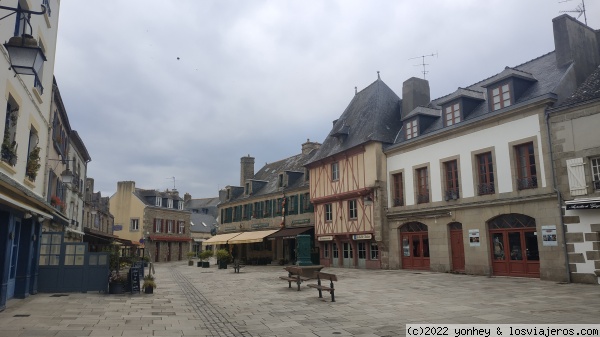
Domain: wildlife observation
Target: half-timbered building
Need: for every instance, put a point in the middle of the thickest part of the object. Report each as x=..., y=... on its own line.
x=347, y=180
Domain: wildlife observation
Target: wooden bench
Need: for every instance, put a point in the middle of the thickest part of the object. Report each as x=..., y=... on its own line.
x=294, y=275
x=237, y=265
x=321, y=288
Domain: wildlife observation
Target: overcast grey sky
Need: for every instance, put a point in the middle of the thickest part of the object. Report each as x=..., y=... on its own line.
x=159, y=89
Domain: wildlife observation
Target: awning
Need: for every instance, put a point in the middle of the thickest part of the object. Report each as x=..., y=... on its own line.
x=249, y=237
x=25, y=207
x=199, y=240
x=68, y=229
x=288, y=233
x=220, y=239
x=583, y=204
x=168, y=238
x=98, y=234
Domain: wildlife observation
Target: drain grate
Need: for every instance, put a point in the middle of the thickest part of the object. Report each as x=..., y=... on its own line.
x=163, y=313
x=22, y=315
x=58, y=295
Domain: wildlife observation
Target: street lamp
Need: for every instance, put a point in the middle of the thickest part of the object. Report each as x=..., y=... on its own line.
x=26, y=56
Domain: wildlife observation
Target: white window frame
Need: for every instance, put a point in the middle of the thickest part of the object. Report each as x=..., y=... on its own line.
x=169, y=226
x=328, y=212
x=595, y=166
x=374, y=251
x=181, y=226
x=501, y=97
x=158, y=225
x=158, y=202
x=335, y=171
x=134, y=224
x=352, y=209
x=180, y=205
x=412, y=129
x=169, y=203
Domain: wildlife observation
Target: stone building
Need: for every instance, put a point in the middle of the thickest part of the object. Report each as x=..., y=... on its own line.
x=97, y=221
x=576, y=153
x=470, y=175
x=259, y=219
x=157, y=220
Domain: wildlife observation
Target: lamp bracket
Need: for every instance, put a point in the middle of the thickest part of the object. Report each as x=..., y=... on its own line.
x=19, y=10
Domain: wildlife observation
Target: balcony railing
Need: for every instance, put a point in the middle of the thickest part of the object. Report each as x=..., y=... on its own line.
x=486, y=188
x=423, y=197
x=452, y=194
x=527, y=183
x=38, y=84
x=399, y=201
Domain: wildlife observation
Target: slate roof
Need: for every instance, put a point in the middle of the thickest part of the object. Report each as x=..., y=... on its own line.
x=372, y=115
x=144, y=195
x=270, y=174
x=587, y=91
x=202, y=223
x=542, y=72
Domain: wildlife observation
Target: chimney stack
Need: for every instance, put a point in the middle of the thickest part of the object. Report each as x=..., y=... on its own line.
x=187, y=197
x=309, y=146
x=247, y=169
x=415, y=92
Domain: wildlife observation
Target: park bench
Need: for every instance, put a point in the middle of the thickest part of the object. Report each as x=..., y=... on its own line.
x=237, y=264
x=326, y=277
x=294, y=275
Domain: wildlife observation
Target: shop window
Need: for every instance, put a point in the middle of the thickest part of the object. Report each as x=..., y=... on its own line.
x=362, y=250
x=326, y=250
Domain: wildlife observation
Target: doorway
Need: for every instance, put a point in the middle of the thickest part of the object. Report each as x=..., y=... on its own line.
x=514, y=246
x=15, y=236
x=415, y=246
x=457, y=247
x=335, y=253
x=348, y=255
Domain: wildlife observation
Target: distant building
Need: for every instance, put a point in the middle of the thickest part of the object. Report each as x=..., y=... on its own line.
x=203, y=218
x=98, y=222
x=259, y=219
x=155, y=219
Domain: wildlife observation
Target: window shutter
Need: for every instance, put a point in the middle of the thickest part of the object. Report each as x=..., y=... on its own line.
x=576, y=175
x=154, y=230
x=301, y=209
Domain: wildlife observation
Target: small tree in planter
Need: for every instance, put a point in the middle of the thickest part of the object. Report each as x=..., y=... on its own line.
x=149, y=284
x=223, y=257
x=190, y=256
x=204, y=256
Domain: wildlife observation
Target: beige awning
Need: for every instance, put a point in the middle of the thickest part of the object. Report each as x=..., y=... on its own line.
x=249, y=237
x=220, y=239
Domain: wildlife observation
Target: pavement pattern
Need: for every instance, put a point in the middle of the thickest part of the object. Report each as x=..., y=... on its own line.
x=192, y=301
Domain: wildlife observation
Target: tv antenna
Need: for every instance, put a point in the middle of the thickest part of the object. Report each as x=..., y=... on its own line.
x=580, y=9
x=423, y=64
x=173, y=181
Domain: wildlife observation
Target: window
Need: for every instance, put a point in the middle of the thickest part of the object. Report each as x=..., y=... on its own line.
x=135, y=225
x=247, y=188
x=280, y=180
x=595, y=162
x=422, y=185
x=33, y=156
x=158, y=202
x=374, y=251
x=398, y=189
x=9, y=144
x=180, y=205
x=362, y=250
x=326, y=250
x=500, y=97
x=526, y=172
x=307, y=205
x=181, y=227
x=169, y=226
x=485, y=171
x=169, y=203
x=411, y=129
x=451, y=170
x=335, y=173
x=158, y=225
x=292, y=206
x=452, y=114
x=50, y=249
x=328, y=213
x=352, y=210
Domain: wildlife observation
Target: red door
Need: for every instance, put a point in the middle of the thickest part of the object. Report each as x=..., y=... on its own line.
x=415, y=250
x=515, y=252
x=457, y=248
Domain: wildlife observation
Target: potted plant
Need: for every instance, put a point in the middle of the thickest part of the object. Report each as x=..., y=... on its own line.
x=116, y=282
x=149, y=284
x=223, y=257
x=204, y=256
x=190, y=256
x=145, y=259
x=33, y=163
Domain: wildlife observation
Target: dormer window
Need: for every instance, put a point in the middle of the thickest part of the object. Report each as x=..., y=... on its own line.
x=452, y=114
x=180, y=205
x=280, y=180
x=500, y=96
x=158, y=202
x=411, y=129
x=228, y=194
x=247, y=188
x=169, y=203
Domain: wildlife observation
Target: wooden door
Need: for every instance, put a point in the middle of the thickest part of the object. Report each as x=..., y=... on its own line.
x=457, y=247
x=513, y=246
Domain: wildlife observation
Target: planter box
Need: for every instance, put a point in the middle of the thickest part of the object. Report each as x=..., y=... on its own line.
x=116, y=288
x=205, y=264
x=190, y=263
x=149, y=290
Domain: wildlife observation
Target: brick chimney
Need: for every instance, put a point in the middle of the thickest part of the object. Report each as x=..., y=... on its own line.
x=415, y=92
x=576, y=43
x=247, y=169
x=309, y=146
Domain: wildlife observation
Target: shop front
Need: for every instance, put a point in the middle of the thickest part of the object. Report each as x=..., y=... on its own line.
x=349, y=251
x=582, y=219
x=415, y=246
x=252, y=248
x=285, y=243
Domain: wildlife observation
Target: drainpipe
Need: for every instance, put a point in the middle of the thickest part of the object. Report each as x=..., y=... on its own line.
x=558, y=195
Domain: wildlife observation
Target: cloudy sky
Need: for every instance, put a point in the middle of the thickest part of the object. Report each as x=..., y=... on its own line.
x=163, y=88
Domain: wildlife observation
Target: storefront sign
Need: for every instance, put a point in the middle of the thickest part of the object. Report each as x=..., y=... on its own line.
x=362, y=237
x=117, y=227
x=584, y=205
x=259, y=225
x=301, y=221
x=228, y=229
x=325, y=238
x=474, y=238
x=549, y=236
